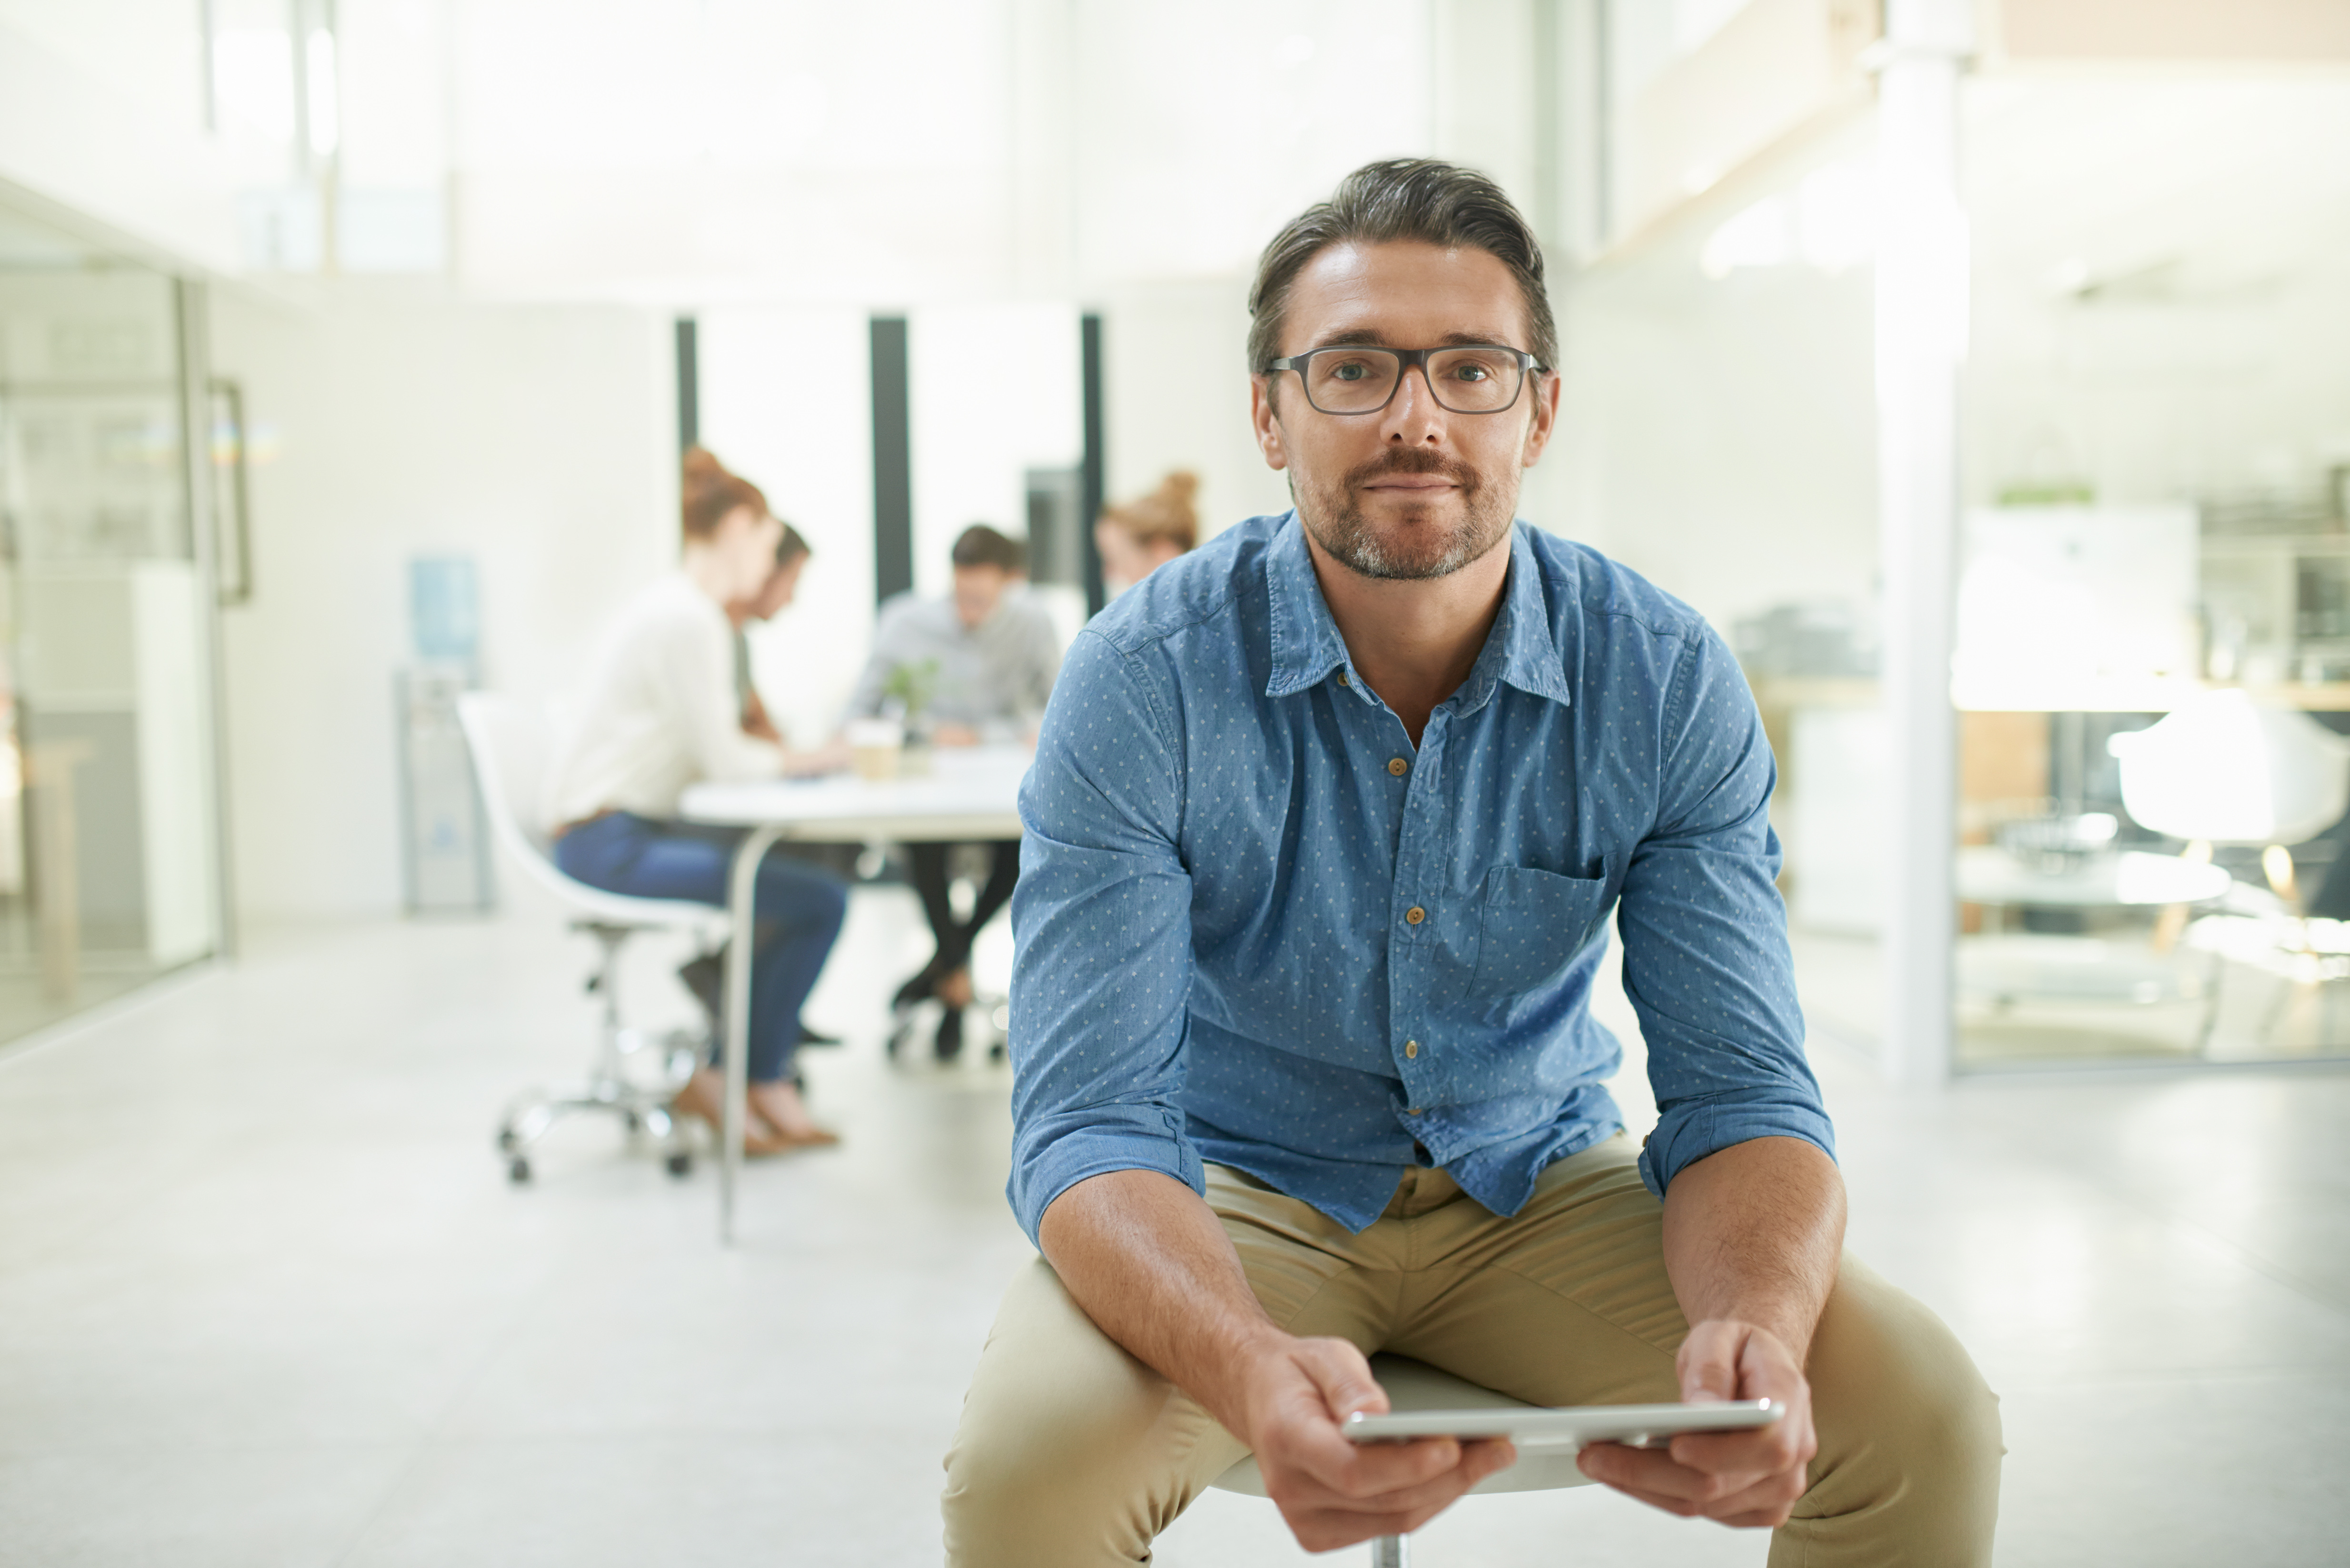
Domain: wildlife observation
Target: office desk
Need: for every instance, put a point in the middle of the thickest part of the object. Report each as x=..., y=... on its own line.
x=969, y=792
x=1991, y=876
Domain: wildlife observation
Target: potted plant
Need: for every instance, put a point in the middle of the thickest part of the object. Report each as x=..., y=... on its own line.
x=908, y=693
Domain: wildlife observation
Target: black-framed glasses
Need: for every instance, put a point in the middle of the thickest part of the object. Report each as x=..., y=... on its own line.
x=1466, y=379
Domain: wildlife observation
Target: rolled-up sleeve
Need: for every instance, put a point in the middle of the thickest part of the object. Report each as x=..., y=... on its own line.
x=1102, y=934
x=1706, y=962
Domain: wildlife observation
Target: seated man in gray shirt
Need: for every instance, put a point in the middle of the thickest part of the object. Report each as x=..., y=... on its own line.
x=988, y=653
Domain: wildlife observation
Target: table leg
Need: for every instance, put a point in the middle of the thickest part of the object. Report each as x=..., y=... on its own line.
x=742, y=911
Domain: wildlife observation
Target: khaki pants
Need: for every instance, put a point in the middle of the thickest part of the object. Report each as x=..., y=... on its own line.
x=1071, y=1451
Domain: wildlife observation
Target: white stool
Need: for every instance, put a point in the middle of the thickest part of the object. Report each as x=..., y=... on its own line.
x=1416, y=1386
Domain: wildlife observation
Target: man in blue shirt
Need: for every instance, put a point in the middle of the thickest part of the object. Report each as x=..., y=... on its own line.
x=1325, y=822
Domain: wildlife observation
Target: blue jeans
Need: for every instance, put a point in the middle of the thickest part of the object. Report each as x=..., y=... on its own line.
x=797, y=912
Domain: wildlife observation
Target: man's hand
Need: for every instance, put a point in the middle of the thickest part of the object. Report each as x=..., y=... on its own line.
x=1745, y=1479
x=1333, y=1492
x=1751, y=1236
x=1151, y=1264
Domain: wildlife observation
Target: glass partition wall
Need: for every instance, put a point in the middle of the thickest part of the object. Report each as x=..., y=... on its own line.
x=2150, y=673
x=2152, y=661
x=108, y=836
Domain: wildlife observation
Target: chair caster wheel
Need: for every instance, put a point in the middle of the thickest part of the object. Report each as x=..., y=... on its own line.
x=679, y=1164
x=505, y=1140
x=998, y=1052
x=518, y=1171
x=634, y=1123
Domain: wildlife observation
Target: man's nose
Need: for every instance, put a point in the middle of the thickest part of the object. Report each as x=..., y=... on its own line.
x=1413, y=415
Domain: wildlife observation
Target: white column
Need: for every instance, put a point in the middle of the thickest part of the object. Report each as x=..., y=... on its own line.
x=1922, y=328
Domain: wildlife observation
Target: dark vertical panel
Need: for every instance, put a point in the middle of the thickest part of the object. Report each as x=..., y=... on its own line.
x=689, y=384
x=893, y=461
x=1093, y=467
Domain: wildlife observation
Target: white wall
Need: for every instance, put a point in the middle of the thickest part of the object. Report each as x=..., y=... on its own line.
x=993, y=391
x=1175, y=395
x=2162, y=285
x=393, y=422
x=101, y=112
x=786, y=402
x=1719, y=435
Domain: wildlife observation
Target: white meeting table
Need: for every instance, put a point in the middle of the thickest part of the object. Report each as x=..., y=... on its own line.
x=969, y=794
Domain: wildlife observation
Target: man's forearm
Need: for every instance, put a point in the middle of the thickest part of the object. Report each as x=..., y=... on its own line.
x=1752, y=1232
x=1151, y=1264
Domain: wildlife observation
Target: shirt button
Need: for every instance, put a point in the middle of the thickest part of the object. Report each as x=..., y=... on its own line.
x=1397, y=766
x=1413, y=1112
x=1342, y=679
x=1411, y=1048
x=1414, y=915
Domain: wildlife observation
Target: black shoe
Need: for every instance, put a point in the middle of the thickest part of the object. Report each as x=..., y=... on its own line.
x=949, y=1044
x=920, y=987
x=810, y=1037
x=705, y=977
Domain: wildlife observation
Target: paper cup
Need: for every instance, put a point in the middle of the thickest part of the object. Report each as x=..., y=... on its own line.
x=875, y=745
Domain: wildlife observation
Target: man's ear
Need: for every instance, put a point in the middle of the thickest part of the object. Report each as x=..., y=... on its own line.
x=1544, y=423
x=1266, y=424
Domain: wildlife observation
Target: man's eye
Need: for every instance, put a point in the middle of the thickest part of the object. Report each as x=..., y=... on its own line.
x=1471, y=372
x=1350, y=371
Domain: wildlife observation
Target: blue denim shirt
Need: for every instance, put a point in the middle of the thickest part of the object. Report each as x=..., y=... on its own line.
x=1256, y=926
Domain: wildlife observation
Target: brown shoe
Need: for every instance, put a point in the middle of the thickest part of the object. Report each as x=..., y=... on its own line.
x=704, y=1099
x=782, y=1112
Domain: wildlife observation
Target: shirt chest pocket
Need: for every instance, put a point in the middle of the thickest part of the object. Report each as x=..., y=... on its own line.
x=1532, y=922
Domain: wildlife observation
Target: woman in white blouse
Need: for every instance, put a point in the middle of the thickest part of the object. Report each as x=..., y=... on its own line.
x=662, y=713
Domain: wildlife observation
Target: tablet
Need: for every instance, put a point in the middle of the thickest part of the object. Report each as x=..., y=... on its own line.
x=1532, y=1425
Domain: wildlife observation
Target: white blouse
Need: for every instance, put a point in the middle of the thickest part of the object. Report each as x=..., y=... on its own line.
x=661, y=712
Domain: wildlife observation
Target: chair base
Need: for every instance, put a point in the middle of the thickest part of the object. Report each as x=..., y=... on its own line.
x=995, y=1011
x=639, y=1108
x=607, y=1089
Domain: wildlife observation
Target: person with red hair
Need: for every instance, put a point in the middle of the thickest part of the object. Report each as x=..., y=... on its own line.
x=663, y=712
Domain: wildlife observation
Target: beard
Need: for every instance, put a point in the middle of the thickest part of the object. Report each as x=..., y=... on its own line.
x=1418, y=547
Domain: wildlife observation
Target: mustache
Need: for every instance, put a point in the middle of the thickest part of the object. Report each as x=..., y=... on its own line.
x=1413, y=461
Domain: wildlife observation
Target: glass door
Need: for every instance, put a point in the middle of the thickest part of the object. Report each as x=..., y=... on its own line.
x=2152, y=661
x=109, y=835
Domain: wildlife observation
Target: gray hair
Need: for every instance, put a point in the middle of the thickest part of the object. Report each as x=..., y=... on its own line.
x=1416, y=199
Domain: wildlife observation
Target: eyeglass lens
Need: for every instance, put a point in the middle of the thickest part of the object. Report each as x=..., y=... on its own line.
x=1467, y=381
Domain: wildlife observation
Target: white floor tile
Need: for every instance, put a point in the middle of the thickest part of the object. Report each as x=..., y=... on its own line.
x=268, y=1298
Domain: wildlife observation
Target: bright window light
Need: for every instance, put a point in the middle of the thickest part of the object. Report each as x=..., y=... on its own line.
x=325, y=127
x=1759, y=237
x=253, y=72
x=1835, y=216
x=1829, y=223
x=1696, y=21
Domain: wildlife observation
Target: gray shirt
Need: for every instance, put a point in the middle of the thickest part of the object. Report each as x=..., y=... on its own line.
x=994, y=677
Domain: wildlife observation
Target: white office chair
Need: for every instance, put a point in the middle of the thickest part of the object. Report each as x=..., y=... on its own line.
x=511, y=743
x=1416, y=1386
x=2221, y=770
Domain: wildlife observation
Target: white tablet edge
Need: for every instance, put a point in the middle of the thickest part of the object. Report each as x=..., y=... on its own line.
x=1636, y=1425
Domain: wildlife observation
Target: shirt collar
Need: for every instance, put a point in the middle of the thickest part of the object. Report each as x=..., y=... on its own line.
x=1305, y=642
x=1307, y=646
